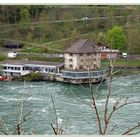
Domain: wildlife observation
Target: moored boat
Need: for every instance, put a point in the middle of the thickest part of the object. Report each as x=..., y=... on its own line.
x=3, y=78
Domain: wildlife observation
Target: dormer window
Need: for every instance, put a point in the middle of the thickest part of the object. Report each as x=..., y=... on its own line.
x=71, y=54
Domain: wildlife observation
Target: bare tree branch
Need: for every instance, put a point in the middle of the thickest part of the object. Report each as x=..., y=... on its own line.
x=131, y=129
x=54, y=130
x=4, y=132
x=94, y=104
x=114, y=108
x=4, y=124
x=135, y=102
x=96, y=110
x=56, y=118
x=66, y=125
x=134, y=133
x=57, y=129
x=113, y=128
x=107, y=101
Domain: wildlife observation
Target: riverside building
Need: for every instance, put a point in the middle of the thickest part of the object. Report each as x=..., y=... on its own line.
x=82, y=64
x=24, y=67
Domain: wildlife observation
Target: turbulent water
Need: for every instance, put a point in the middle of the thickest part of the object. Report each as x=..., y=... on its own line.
x=73, y=106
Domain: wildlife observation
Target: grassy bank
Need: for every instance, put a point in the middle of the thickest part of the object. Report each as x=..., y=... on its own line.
x=39, y=58
x=124, y=67
x=2, y=57
x=126, y=72
x=123, y=63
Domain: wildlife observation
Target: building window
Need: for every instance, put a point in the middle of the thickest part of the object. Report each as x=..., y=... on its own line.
x=94, y=59
x=95, y=66
x=81, y=54
x=70, y=60
x=80, y=67
x=95, y=53
x=81, y=60
x=71, y=54
x=71, y=66
x=88, y=54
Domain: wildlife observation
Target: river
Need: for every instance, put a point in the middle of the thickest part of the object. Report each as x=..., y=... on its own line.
x=73, y=106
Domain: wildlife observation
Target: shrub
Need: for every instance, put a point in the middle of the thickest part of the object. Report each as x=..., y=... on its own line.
x=2, y=57
x=34, y=77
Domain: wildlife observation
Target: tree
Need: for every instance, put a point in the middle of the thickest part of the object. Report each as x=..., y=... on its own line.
x=110, y=13
x=133, y=37
x=103, y=122
x=101, y=38
x=116, y=38
x=74, y=34
x=25, y=14
x=67, y=26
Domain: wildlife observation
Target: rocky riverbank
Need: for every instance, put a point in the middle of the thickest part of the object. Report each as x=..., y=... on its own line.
x=121, y=71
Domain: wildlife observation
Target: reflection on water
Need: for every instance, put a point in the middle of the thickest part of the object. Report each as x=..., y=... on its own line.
x=72, y=102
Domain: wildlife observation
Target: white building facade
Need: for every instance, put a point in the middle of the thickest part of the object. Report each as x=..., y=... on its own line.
x=23, y=67
x=83, y=63
x=82, y=55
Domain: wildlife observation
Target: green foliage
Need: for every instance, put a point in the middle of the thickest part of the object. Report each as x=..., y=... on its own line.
x=101, y=37
x=35, y=50
x=133, y=40
x=34, y=77
x=2, y=57
x=123, y=63
x=25, y=14
x=74, y=34
x=110, y=13
x=116, y=38
x=39, y=57
x=123, y=67
x=19, y=21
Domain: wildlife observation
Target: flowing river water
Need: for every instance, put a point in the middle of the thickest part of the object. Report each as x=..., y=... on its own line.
x=73, y=106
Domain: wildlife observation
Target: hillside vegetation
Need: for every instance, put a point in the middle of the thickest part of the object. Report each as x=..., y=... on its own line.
x=42, y=28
